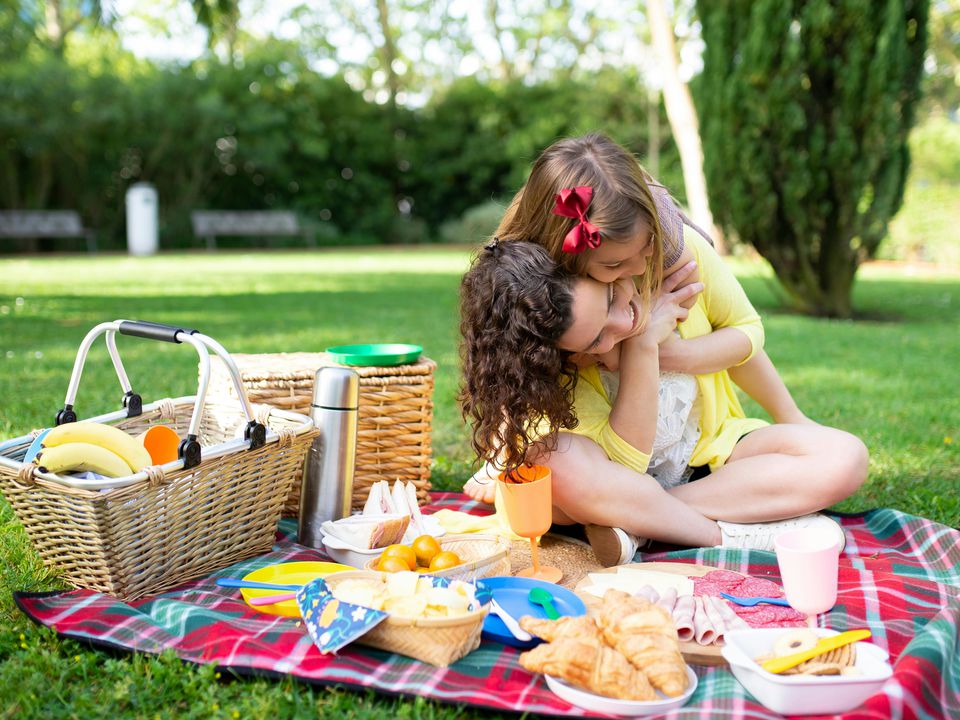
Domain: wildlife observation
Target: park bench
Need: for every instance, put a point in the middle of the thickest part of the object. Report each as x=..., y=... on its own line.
x=211, y=224
x=33, y=224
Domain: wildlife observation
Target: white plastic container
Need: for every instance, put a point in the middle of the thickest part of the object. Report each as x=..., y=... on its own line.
x=142, y=219
x=803, y=694
x=343, y=552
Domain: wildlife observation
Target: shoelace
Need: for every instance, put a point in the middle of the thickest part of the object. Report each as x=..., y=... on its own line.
x=761, y=534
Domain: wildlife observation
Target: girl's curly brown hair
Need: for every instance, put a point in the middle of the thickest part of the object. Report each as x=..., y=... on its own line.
x=515, y=303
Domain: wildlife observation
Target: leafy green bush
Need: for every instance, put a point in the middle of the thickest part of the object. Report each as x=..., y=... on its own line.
x=475, y=225
x=935, y=151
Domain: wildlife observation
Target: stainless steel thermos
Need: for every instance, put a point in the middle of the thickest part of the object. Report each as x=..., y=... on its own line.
x=327, y=489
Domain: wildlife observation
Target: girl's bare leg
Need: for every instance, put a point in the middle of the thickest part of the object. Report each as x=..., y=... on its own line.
x=778, y=472
x=590, y=488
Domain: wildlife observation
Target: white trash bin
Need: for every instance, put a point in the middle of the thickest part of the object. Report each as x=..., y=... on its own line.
x=142, y=223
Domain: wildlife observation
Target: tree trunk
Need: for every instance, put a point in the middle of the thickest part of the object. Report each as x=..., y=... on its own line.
x=683, y=120
x=53, y=19
x=506, y=69
x=389, y=52
x=653, y=133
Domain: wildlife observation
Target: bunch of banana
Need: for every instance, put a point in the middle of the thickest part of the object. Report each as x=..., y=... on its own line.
x=82, y=446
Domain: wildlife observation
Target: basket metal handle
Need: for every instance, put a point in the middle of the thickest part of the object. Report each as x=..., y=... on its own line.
x=255, y=433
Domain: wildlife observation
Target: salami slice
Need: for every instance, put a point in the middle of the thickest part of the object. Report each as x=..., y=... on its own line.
x=759, y=616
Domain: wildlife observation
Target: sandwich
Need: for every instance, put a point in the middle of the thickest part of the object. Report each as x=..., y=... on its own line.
x=368, y=532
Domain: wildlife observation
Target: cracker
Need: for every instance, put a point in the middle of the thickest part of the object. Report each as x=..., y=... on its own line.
x=820, y=668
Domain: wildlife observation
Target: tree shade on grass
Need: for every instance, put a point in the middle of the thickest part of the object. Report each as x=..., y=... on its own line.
x=805, y=110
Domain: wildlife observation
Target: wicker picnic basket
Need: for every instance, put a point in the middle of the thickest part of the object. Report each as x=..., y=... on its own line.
x=394, y=418
x=482, y=556
x=438, y=640
x=140, y=535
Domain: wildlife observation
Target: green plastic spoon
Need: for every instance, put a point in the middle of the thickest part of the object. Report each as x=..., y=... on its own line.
x=543, y=598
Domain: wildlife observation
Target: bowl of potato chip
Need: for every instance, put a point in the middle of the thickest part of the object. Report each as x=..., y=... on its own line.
x=435, y=620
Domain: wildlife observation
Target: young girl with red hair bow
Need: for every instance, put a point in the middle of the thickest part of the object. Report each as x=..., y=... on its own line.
x=595, y=212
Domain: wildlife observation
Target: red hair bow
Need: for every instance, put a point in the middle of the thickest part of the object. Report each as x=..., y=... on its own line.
x=573, y=203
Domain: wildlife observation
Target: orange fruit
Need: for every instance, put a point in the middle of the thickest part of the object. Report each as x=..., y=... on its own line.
x=403, y=553
x=445, y=559
x=392, y=565
x=425, y=547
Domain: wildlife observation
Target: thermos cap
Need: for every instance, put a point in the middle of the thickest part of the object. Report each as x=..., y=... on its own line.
x=336, y=387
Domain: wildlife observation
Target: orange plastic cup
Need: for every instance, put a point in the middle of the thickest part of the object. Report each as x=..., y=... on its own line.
x=162, y=443
x=529, y=505
x=529, y=509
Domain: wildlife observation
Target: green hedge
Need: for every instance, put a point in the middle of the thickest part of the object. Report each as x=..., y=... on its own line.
x=271, y=133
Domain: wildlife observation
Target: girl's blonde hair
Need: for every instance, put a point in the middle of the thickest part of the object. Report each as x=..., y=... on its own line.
x=621, y=202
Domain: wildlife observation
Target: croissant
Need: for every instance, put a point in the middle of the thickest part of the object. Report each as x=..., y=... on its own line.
x=594, y=667
x=581, y=628
x=646, y=635
x=635, y=614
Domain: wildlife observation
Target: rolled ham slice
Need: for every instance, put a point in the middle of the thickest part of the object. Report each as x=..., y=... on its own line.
x=730, y=617
x=714, y=617
x=704, y=631
x=683, y=616
x=647, y=592
x=668, y=600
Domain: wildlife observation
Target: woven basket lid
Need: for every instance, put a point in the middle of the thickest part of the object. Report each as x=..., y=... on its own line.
x=303, y=366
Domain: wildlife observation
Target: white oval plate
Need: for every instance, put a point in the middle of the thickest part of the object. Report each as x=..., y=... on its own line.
x=598, y=703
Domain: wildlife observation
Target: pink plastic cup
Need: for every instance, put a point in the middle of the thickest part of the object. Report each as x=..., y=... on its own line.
x=808, y=560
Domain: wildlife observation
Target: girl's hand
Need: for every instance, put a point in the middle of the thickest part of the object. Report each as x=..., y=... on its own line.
x=668, y=309
x=689, y=277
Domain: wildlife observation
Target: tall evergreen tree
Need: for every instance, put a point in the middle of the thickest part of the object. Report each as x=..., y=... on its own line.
x=805, y=110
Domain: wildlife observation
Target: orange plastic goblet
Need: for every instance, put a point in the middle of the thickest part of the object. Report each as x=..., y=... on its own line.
x=529, y=508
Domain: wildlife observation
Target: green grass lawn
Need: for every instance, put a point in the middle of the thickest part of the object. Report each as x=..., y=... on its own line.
x=889, y=378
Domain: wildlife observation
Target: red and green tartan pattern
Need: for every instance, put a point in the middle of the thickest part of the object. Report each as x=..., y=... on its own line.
x=899, y=577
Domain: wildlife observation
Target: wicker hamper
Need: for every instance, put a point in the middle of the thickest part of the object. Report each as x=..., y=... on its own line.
x=395, y=415
x=141, y=535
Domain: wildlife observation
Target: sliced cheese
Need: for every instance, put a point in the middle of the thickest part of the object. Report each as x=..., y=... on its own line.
x=630, y=580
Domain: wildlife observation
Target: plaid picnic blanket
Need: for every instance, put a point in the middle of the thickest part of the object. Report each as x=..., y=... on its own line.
x=899, y=576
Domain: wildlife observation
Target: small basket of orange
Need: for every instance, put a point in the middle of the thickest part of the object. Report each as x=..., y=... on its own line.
x=458, y=557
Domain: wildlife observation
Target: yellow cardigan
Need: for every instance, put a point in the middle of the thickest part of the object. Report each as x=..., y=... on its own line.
x=723, y=303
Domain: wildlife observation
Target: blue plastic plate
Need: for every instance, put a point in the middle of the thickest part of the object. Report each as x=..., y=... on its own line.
x=511, y=593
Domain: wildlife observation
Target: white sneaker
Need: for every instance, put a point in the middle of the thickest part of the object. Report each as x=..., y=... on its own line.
x=760, y=536
x=612, y=545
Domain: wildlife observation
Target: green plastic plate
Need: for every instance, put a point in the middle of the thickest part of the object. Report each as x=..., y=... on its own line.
x=382, y=354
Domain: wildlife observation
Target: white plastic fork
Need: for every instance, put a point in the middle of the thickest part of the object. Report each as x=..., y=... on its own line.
x=511, y=622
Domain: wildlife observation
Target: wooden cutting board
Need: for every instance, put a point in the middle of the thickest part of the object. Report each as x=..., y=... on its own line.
x=693, y=652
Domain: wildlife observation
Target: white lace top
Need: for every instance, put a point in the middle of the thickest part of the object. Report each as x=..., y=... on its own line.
x=678, y=427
